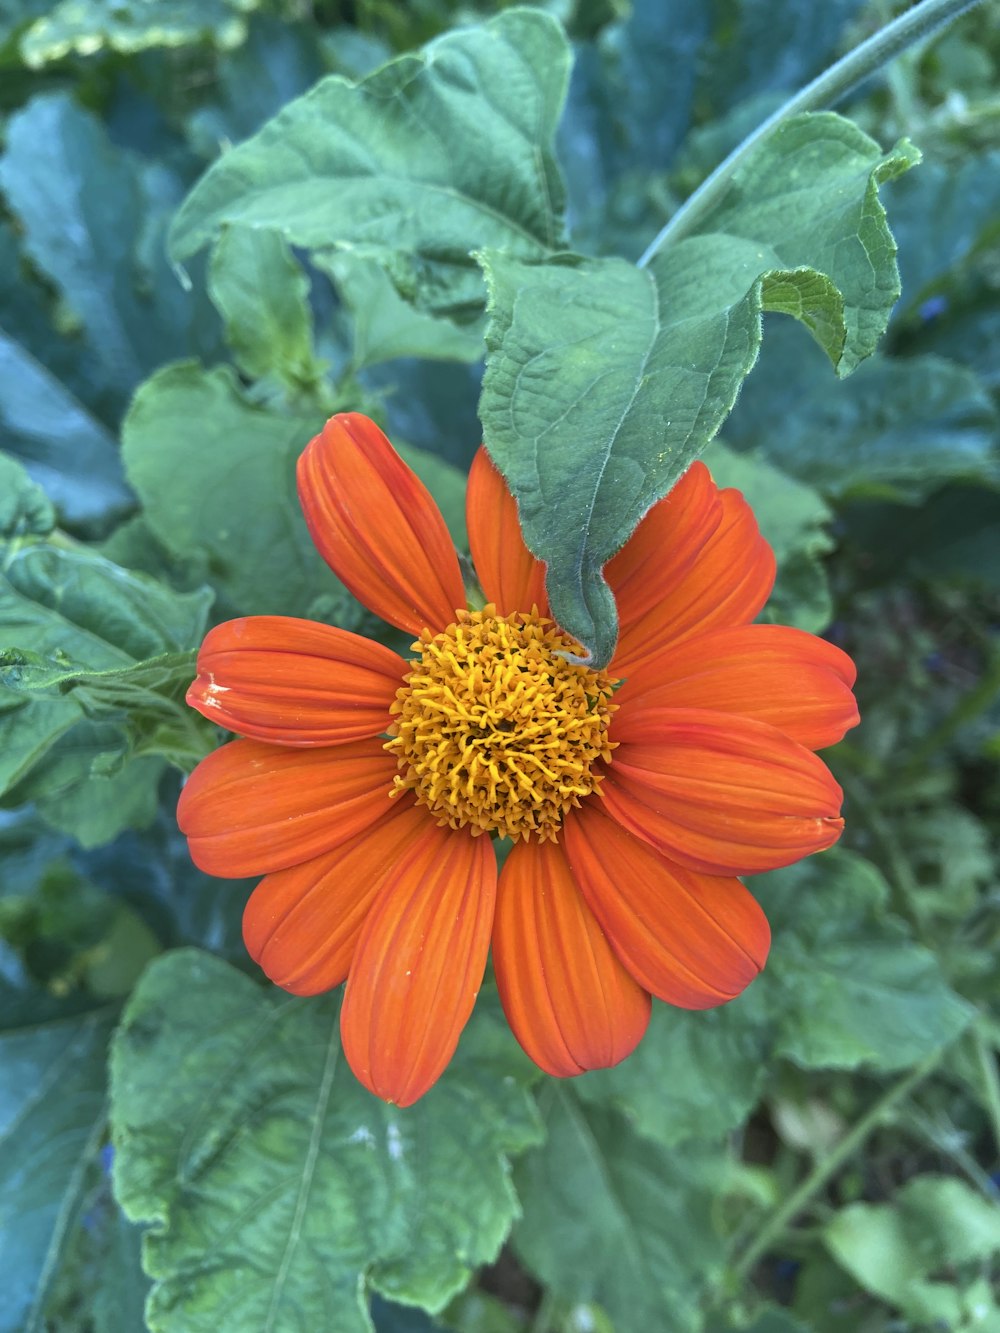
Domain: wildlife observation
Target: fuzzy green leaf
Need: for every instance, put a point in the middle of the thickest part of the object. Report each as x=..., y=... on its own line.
x=60, y=443
x=898, y=429
x=846, y=984
x=693, y=1076
x=434, y=155
x=385, y=326
x=604, y=382
x=52, y=1115
x=241, y=1132
x=226, y=489
x=24, y=507
x=67, y=617
x=893, y=1250
x=617, y=1219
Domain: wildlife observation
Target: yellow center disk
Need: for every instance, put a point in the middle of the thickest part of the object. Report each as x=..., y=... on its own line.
x=495, y=729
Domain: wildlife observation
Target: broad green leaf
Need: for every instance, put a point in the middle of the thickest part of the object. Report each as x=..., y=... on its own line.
x=385, y=326
x=262, y=294
x=25, y=509
x=954, y=534
x=227, y=489
x=603, y=381
x=278, y=61
x=240, y=1131
x=898, y=429
x=893, y=1250
x=764, y=45
x=83, y=27
x=180, y=903
x=226, y=492
x=412, y=165
x=71, y=610
x=794, y=518
x=74, y=796
x=845, y=983
x=52, y=1116
x=809, y=195
x=618, y=1219
x=693, y=1076
x=93, y=216
x=100, y=1286
x=940, y=215
x=61, y=445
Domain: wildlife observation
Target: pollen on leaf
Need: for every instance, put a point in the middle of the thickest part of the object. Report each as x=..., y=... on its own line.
x=496, y=730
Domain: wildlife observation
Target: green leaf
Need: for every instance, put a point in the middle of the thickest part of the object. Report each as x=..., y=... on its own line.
x=83, y=27
x=940, y=215
x=262, y=294
x=61, y=445
x=898, y=429
x=765, y=45
x=794, y=519
x=52, y=1116
x=618, y=1219
x=93, y=216
x=604, y=381
x=385, y=326
x=100, y=1286
x=809, y=194
x=25, y=509
x=241, y=1132
x=432, y=156
x=893, y=1249
x=845, y=983
x=69, y=611
x=693, y=1076
x=226, y=490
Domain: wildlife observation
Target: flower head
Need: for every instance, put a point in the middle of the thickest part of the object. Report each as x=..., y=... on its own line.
x=366, y=787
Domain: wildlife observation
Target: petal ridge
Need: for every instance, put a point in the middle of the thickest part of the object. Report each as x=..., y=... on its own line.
x=288, y=681
x=376, y=525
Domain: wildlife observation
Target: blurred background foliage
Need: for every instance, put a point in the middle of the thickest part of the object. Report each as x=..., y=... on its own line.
x=823, y=1155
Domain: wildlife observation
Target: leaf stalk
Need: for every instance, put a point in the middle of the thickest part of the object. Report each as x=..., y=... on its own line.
x=924, y=19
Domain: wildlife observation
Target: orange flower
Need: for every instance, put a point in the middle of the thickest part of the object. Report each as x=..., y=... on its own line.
x=632, y=809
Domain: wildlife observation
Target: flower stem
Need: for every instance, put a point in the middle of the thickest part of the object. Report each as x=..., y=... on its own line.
x=922, y=20
x=829, y=1165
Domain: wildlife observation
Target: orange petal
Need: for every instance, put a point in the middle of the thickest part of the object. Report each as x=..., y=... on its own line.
x=295, y=682
x=419, y=964
x=302, y=924
x=375, y=524
x=692, y=940
x=793, y=680
x=250, y=808
x=718, y=793
x=568, y=1000
x=509, y=574
x=724, y=581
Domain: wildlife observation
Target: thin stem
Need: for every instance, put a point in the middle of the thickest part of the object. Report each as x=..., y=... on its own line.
x=991, y=1080
x=829, y=1165
x=921, y=21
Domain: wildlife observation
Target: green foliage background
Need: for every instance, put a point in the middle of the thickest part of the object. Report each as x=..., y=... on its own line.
x=182, y=1148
